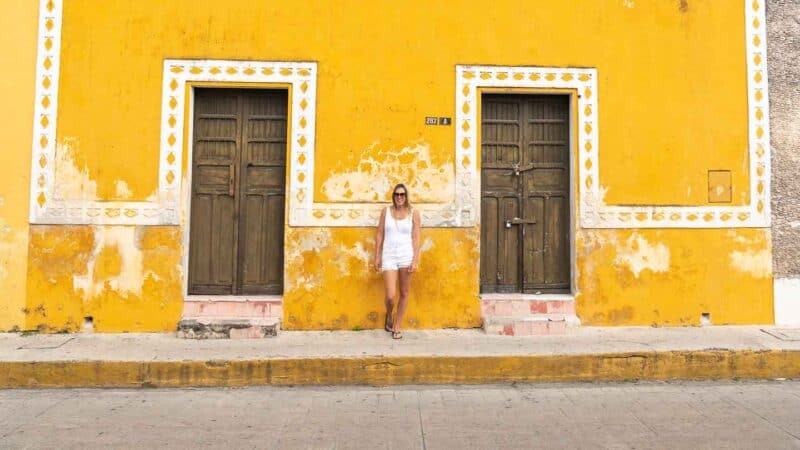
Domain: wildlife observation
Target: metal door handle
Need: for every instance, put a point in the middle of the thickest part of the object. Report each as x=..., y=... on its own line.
x=516, y=169
x=518, y=221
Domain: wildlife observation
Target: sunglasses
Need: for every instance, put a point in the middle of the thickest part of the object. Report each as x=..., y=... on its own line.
x=399, y=194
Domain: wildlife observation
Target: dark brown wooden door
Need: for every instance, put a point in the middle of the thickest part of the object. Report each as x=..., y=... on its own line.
x=238, y=189
x=525, y=193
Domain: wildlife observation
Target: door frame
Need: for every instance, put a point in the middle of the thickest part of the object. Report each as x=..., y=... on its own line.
x=573, y=96
x=186, y=191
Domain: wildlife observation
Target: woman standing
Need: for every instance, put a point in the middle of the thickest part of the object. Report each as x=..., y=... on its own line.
x=397, y=254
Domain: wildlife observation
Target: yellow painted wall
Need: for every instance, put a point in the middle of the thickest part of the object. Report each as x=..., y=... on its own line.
x=125, y=278
x=671, y=277
x=17, y=57
x=383, y=68
x=664, y=67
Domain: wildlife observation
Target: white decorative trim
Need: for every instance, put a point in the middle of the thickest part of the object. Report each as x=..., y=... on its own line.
x=463, y=211
x=302, y=76
x=471, y=79
x=48, y=58
x=593, y=212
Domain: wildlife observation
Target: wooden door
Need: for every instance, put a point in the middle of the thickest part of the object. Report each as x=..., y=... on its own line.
x=525, y=194
x=238, y=189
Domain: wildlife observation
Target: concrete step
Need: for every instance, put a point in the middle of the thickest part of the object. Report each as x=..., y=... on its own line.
x=525, y=305
x=234, y=309
x=536, y=325
x=228, y=328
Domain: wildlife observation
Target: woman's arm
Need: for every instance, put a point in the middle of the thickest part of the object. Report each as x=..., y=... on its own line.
x=379, y=241
x=415, y=240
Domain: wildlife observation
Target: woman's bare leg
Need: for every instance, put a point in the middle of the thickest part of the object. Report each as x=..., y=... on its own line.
x=390, y=289
x=405, y=282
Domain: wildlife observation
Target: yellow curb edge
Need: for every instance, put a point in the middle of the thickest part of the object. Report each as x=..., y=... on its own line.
x=384, y=371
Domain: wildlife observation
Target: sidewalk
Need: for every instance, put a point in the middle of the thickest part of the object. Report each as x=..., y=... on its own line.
x=422, y=357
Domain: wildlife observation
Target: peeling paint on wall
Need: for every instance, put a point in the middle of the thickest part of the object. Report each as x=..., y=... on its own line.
x=115, y=263
x=637, y=254
x=73, y=178
x=757, y=263
x=330, y=283
x=378, y=170
x=126, y=278
x=123, y=192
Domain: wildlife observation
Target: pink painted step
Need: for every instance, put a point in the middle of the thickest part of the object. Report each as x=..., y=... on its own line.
x=528, y=326
x=524, y=307
x=527, y=315
x=233, y=309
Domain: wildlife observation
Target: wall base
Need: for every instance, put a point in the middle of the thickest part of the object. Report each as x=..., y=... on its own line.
x=787, y=301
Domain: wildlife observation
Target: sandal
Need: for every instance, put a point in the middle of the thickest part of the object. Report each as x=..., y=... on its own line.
x=397, y=334
x=387, y=324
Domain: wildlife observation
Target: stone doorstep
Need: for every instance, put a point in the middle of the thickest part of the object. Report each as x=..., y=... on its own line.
x=227, y=328
x=526, y=306
x=542, y=324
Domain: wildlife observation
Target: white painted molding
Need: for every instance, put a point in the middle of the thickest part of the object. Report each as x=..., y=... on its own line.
x=462, y=212
x=301, y=76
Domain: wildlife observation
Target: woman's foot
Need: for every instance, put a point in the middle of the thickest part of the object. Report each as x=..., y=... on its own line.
x=397, y=334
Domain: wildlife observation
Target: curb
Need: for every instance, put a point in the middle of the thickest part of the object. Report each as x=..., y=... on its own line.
x=383, y=371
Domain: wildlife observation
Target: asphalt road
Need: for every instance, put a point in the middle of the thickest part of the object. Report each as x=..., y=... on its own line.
x=762, y=415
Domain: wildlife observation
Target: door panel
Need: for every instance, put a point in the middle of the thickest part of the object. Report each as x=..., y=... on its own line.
x=238, y=185
x=262, y=187
x=525, y=180
x=212, y=255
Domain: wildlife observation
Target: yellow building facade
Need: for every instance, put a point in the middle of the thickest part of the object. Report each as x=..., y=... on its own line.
x=666, y=208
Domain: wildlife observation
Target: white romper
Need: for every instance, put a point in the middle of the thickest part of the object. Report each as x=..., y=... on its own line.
x=398, y=247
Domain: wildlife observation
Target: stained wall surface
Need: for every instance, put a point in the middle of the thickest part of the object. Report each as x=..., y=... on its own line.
x=672, y=106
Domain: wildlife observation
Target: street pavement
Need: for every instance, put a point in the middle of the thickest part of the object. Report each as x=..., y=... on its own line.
x=680, y=415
